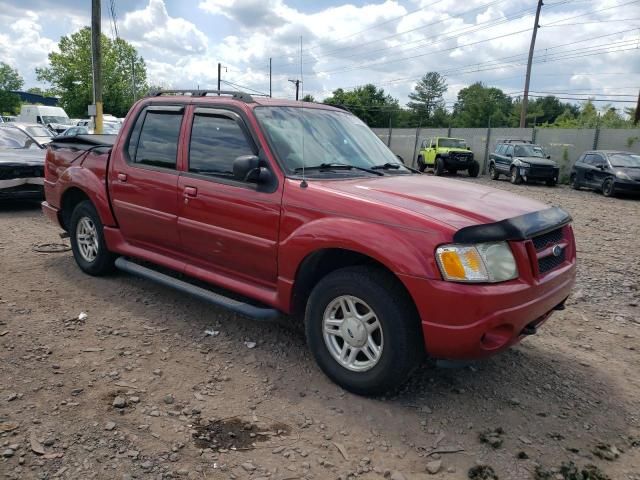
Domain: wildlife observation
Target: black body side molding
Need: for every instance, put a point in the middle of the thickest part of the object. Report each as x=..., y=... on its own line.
x=523, y=227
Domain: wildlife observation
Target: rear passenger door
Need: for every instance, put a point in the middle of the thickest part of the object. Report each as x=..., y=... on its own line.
x=143, y=180
x=226, y=226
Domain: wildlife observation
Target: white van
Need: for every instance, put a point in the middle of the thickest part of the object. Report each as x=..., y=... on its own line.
x=53, y=117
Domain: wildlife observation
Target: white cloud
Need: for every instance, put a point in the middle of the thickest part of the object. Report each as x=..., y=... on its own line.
x=153, y=28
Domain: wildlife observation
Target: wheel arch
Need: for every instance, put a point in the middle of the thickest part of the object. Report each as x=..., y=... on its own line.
x=320, y=263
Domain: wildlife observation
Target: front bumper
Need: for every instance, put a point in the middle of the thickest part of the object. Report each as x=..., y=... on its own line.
x=471, y=321
x=22, y=188
x=458, y=162
x=626, y=186
x=539, y=174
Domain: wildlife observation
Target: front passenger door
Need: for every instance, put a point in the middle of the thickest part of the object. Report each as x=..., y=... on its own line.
x=227, y=226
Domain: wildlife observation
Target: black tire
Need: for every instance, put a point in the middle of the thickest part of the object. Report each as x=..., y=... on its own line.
x=453, y=171
x=573, y=181
x=608, y=188
x=103, y=263
x=421, y=165
x=493, y=172
x=474, y=169
x=402, y=346
x=438, y=169
x=515, y=177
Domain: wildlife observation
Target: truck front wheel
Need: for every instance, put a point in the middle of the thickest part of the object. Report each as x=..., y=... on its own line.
x=87, y=241
x=439, y=167
x=363, y=330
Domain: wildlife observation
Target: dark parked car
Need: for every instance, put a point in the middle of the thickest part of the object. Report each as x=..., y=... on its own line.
x=609, y=171
x=521, y=161
x=21, y=165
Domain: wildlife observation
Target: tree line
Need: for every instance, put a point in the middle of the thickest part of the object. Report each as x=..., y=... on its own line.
x=477, y=106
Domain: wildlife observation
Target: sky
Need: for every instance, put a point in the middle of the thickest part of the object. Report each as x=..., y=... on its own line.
x=585, y=48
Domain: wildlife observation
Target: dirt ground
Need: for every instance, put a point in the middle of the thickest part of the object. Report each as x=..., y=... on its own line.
x=137, y=389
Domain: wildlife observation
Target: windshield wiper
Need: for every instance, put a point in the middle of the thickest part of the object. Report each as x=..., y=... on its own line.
x=387, y=166
x=337, y=166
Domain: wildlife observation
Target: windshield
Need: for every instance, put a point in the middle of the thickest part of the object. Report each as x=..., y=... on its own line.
x=14, y=138
x=625, y=160
x=37, y=131
x=310, y=137
x=529, y=151
x=451, y=143
x=53, y=119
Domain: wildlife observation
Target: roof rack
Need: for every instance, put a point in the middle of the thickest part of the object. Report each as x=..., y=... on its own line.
x=242, y=96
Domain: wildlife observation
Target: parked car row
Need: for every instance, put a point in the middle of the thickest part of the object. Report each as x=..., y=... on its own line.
x=608, y=171
x=21, y=164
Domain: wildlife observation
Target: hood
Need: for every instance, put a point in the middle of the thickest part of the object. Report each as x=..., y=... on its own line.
x=27, y=156
x=452, y=202
x=538, y=162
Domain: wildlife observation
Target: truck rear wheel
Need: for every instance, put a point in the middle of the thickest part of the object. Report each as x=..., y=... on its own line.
x=87, y=241
x=363, y=330
x=474, y=169
x=439, y=167
x=421, y=165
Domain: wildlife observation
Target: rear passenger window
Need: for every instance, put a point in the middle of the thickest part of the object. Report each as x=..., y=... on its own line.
x=500, y=149
x=216, y=141
x=157, y=145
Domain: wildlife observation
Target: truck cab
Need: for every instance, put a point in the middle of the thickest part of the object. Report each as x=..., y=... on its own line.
x=447, y=154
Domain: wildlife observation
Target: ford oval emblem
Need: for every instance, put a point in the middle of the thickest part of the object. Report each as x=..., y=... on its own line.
x=557, y=251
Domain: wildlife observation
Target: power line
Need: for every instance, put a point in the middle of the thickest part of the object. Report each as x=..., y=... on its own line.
x=241, y=87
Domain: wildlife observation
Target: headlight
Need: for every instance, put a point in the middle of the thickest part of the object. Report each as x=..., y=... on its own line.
x=484, y=262
x=622, y=175
x=524, y=164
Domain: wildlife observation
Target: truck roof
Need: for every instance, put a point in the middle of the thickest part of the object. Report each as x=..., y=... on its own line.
x=211, y=96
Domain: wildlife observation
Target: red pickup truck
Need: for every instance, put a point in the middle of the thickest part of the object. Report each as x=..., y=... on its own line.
x=284, y=207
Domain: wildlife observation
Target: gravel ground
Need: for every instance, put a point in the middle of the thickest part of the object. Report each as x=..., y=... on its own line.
x=136, y=388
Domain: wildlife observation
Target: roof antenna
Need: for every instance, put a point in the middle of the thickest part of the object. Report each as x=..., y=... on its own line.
x=304, y=183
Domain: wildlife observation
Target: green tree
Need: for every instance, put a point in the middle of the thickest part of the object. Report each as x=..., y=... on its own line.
x=10, y=80
x=371, y=104
x=39, y=91
x=70, y=74
x=428, y=93
x=308, y=98
x=479, y=106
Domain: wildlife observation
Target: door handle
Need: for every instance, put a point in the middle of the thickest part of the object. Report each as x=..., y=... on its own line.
x=122, y=177
x=190, y=192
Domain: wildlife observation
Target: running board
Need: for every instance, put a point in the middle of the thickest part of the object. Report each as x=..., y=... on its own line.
x=257, y=313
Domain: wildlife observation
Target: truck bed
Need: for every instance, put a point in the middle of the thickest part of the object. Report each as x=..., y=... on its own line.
x=84, y=142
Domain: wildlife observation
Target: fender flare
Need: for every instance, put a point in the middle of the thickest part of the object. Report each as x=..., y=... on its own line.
x=369, y=239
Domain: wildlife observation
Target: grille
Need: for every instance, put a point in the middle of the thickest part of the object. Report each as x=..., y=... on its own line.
x=541, y=171
x=547, y=264
x=21, y=172
x=543, y=241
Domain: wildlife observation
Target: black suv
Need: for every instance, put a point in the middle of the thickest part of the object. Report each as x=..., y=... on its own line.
x=521, y=161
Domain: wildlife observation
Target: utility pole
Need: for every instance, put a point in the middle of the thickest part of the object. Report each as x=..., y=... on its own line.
x=96, y=58
x=133, y=77
x=637, y=116
x=525, y=98
x=270, y=77
x=219, y=72
x=297, y=84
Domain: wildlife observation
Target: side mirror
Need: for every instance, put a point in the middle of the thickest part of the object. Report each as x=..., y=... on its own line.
x=247, y=168
x=468, y=148
x=400, y=158
x=601, y=166
x=510, y=155
x=548, y=157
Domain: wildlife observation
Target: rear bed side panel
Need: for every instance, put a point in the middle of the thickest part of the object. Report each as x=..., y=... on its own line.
x=86, y=171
